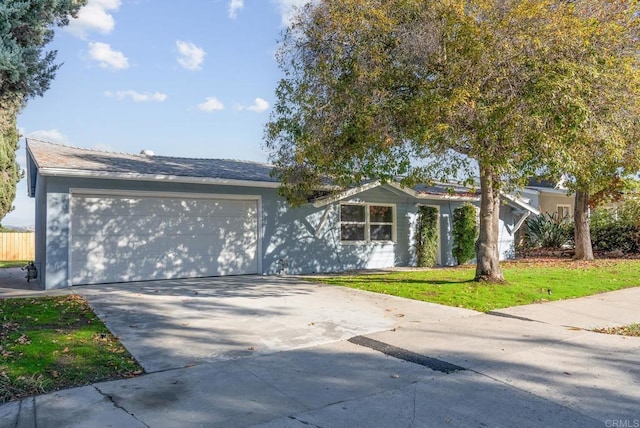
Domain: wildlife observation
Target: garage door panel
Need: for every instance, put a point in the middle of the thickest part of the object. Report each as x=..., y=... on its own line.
x=118, y=239
x=168, y=245
x=138, y=226
x=130, y=206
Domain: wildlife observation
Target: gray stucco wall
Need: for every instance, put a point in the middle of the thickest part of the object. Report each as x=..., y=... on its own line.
x=306, y=238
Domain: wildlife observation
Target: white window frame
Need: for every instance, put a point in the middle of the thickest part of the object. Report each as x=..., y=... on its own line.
x=565, y=207
x=367, y=223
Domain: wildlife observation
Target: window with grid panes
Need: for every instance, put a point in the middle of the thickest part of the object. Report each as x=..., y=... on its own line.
x=367, y=223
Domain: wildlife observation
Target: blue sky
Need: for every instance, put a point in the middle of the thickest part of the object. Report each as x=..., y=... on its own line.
x=195, y=79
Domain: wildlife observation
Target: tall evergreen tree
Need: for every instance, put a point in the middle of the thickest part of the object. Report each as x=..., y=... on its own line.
x=26, y=71
x=9, y=169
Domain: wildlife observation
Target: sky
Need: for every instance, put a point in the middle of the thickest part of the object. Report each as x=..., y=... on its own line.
x=192, y=78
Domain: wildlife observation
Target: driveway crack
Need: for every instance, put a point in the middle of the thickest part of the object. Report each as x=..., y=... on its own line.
x=118, y=406
x=304, y=422
x=403, y=354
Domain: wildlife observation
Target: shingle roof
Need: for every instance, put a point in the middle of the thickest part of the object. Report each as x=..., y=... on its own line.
x=62, y=157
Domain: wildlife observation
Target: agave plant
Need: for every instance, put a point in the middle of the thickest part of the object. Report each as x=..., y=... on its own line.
x=549, y=231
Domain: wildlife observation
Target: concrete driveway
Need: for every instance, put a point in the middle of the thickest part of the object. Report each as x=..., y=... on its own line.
x=173, y=324
x=280, y=352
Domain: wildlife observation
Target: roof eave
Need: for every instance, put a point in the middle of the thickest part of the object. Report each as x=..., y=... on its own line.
x=412, y=193
x=519, y=203
x=63, y=172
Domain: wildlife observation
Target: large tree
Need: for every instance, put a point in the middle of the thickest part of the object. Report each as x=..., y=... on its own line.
x=26, y=70
x=593, y=101
x=420, y=89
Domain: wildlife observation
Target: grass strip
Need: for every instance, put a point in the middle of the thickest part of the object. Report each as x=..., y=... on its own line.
x=13, y=264
x=52, y=343
x=526, y=282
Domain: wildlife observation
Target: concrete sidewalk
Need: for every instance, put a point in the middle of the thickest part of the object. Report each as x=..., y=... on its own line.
x=529, y=366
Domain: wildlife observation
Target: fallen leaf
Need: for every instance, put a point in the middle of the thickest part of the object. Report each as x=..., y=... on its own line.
x=23, y=340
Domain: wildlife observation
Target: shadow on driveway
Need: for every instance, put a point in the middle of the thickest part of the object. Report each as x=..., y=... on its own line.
x=172, y=324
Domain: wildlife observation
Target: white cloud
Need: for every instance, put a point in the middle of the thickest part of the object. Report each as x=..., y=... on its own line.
x=107, y=57
x=51, y=135
x=211, y=104
x=234, y=7
x=287, y=9
x=137, y=97
x=191, y=56
x=94, y=17
x=259, y=105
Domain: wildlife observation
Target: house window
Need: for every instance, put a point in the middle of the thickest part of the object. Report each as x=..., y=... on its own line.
x=563, y=211
x=367, y=222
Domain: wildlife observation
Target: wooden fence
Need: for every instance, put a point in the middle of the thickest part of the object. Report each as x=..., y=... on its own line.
x=17, y=246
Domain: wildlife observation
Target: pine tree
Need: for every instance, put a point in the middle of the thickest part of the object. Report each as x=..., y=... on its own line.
x=26, y=71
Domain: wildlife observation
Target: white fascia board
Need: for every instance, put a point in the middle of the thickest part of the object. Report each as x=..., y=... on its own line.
x=448, y=197
x=29, y=187
x=347, y=193
x=61, y=172
x=518, y=202
x=406, y=190
x=434, y=197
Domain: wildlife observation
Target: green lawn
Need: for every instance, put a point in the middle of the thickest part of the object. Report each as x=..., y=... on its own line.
x=527, y=282
x=50, y=343
x=11, y=264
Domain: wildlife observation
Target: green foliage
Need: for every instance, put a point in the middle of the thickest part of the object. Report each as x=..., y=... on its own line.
x=617, y=229
x=548, y=231
x=25, y=28
x=427, y=236
x=527, y=283
x=420, y=89
x=10, y=172
x=25, y=72
x=465, y=233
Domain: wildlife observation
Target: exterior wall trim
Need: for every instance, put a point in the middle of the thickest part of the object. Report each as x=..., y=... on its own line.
x=73, y=173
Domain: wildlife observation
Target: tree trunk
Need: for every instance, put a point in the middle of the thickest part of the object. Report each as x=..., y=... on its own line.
x=488, y=264
x=582, y=234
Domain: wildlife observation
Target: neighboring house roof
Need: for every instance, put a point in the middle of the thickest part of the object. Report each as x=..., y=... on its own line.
x=62, y=160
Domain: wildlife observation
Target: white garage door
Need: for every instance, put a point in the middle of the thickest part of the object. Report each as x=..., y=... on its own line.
x=137, y=238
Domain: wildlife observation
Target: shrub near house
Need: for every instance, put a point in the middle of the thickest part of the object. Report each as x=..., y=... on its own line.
x=617, y=229
x=465, y=233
